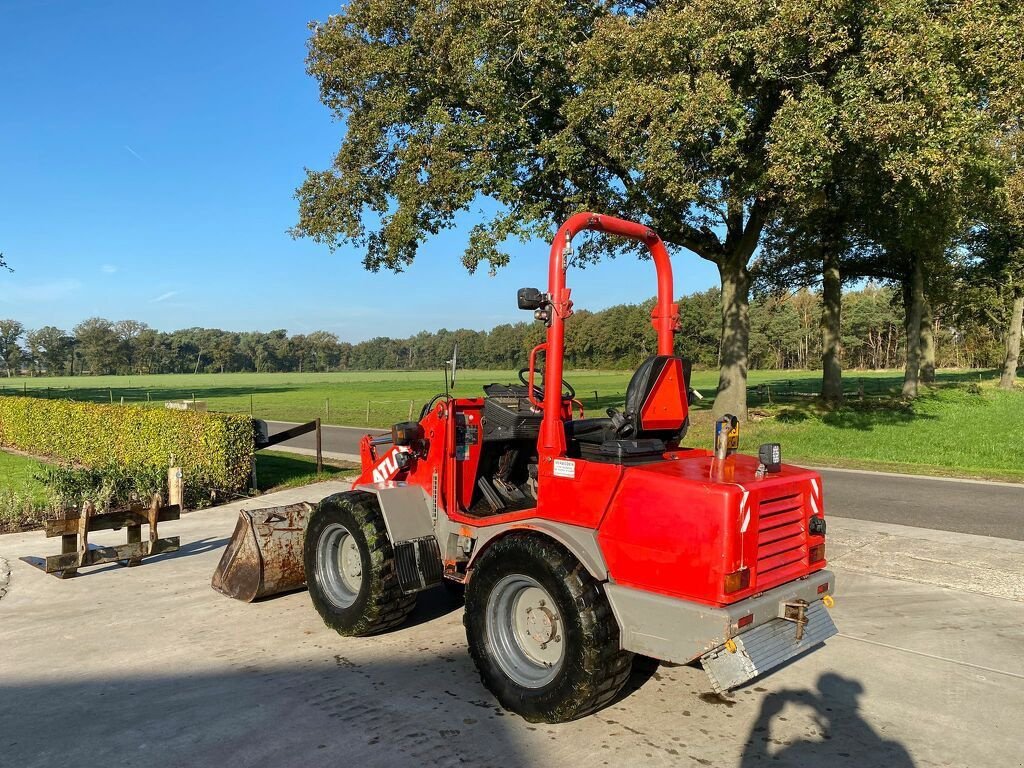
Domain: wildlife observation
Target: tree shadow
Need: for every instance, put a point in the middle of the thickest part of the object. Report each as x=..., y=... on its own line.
x=402, y=710
x=155, y=396
x=847, y=738
x=863, y=416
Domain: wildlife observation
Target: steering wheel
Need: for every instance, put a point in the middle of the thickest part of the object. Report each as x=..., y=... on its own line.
x=622, y=426
x=568, y=392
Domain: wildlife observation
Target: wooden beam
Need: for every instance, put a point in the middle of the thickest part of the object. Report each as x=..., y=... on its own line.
x=100, y=555
x=288, y=434
x=109, y=521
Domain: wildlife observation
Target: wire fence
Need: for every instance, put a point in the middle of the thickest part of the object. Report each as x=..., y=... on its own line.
x=358, y=409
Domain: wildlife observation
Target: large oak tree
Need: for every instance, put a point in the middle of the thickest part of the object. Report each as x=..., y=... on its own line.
x=662, y=112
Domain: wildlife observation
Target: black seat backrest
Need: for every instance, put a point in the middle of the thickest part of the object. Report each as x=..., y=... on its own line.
x=639, y=390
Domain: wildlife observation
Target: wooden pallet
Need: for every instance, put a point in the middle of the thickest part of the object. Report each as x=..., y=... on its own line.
x=74, y=529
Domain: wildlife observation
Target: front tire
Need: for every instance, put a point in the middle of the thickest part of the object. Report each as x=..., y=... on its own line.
x=541, y=631
x=350, y=567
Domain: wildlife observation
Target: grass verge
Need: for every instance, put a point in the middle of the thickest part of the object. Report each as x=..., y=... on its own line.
x=24, y=501
x=276, y=470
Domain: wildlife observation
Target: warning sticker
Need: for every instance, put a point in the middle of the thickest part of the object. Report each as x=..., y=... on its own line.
x=564, y=468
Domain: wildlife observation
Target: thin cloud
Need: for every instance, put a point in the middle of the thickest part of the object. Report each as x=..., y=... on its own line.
x=165, y=296
x=108, y=269
x=134, y=154
x=30, y=293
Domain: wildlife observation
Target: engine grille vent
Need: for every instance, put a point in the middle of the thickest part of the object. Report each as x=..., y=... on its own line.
x=781, y=539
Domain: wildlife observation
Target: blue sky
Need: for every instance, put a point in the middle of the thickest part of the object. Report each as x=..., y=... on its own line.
x=149, y=153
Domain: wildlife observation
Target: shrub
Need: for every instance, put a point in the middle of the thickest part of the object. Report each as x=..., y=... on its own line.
x=111, y=485
x=214, y=450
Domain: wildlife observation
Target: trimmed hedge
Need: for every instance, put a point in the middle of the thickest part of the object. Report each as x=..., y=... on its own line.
x=214, y=450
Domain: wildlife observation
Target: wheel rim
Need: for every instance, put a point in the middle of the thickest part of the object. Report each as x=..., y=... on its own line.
x=339, y=565
x=526, y=631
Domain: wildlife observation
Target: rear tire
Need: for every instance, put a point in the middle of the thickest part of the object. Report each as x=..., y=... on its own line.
x=541, y=631
x=350, y=566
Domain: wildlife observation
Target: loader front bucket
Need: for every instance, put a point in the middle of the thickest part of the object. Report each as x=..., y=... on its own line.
x=264, y=556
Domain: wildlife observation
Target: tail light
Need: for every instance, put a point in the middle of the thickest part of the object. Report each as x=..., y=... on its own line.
x=817, y=553
x=737, y=580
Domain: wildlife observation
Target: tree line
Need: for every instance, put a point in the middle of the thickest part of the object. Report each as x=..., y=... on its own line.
x=792, y=144
x=784, y=334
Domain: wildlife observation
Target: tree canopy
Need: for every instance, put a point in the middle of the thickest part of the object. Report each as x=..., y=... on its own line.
x=861, y=135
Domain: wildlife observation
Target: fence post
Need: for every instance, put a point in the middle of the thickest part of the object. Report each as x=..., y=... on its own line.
x=250, y=405
x=319, y=451
x=367, y=411
x=176, y=487
x=410, y=411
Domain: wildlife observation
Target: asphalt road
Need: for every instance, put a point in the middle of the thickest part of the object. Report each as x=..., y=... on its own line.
x=983, y=509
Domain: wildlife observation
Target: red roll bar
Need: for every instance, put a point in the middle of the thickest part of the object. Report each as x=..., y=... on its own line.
x=664, y=316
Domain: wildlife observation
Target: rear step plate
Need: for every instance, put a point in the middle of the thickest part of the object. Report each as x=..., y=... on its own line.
x=765, y=647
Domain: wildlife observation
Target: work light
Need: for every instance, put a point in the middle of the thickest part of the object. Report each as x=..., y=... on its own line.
x=770, y=455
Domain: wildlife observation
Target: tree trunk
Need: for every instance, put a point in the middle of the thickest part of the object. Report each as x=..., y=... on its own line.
x=927, y=343
x=1009, y=377
x=831, y=327
x=735, y=339
x=914, y=294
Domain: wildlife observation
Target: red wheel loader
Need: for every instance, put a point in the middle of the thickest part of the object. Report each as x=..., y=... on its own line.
x=580, y=541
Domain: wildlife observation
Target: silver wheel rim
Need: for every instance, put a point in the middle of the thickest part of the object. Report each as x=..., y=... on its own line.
x=339, y=565
x=525, y=631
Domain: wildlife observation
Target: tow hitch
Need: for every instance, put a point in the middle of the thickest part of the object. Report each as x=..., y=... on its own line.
x=796, y=612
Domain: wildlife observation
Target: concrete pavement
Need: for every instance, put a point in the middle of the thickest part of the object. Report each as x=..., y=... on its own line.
x=149, y=666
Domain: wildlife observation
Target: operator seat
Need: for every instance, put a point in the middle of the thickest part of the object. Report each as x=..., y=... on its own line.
x=656, y=407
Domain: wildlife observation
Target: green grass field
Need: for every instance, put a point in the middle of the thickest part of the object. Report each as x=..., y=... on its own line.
x=23, y=499
x=276, y=470
x=17, y=475
x=948, y=430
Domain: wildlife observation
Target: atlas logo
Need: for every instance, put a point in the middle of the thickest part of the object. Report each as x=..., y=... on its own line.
x=389, y=466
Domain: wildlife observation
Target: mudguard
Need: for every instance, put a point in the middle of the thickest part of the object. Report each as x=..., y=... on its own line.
x=410, y=525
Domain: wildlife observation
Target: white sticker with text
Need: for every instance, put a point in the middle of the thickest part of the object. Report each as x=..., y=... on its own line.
x=564, y=468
